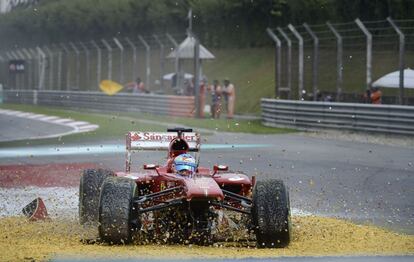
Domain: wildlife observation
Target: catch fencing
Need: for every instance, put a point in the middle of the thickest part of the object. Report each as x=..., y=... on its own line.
x=307, y=115
x=312, y=59
x=80, y=66
x=170, y=105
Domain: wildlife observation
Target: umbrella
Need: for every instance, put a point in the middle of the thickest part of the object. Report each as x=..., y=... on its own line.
x=110, y=87
x=392, y=80
x=186, y=50
x=170, y=76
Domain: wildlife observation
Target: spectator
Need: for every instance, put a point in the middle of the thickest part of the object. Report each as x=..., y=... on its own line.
x=189, y=87
x=215, y=90
x=376, y=96
x=318, y=96
x=137, y=86
x=367, y=96
x=328, y=98
x=203, y=85
x=229, y=96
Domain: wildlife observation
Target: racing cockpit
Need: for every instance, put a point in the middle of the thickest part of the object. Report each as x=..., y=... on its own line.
x=176, y=141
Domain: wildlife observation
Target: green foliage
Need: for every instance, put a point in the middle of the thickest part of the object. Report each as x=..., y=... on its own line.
x=219, y=23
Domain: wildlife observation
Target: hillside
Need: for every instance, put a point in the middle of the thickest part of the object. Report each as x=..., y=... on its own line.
x=252, y=72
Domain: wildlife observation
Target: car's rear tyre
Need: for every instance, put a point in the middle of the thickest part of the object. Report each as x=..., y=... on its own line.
x=271, y=214
x=89, y=191
x=118, y=218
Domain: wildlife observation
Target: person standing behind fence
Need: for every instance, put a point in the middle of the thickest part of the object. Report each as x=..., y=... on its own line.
x=215, y=90
x=203, y=84
x=229, y=96
x=137, y=86
x=376, y=96
x=367, y=96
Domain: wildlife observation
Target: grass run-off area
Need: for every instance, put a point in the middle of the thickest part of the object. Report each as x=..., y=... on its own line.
x=116, y=124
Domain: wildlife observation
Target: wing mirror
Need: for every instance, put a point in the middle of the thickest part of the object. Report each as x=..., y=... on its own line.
x=150, y=166
x=220, y=168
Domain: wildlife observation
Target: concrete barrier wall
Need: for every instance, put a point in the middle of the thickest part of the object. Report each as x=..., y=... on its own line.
x=305, y=115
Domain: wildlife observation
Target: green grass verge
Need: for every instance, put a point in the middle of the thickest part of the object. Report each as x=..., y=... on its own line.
x=115, y=125
x=111, y=126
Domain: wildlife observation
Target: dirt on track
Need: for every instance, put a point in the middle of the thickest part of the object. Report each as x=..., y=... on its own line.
x=21, y=240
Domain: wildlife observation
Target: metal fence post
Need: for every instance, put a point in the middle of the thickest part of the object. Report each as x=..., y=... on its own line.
x=300, y=62
x=278, y=63
x=147, y=60
x=77, y=64
x=67, y=65
x=14, y=57
x=88, y=64
x=369, y=49
x=338, y=61
x=177, y=60
x=162, y=60
x=9, y=57
x=121, y=60
x=21, y=56
x=42, y=66
x=134, y=58
x=16, y=76
x=35, y=67
x=51, y=65
x=2, y=81
x=59, y=68
x=109, y=48
x=401, y=58
x=197, y=78
x=98, y=62
x=315, y=61
x=289, y=61
x=28, y=67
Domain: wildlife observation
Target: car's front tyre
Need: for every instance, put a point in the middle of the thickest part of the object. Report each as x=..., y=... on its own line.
x=271, y=214
x=118, y=218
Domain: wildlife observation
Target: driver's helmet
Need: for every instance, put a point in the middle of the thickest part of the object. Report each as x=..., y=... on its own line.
x=185, y=164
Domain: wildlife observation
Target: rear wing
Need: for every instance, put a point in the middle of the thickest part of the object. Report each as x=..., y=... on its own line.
x=140, y=141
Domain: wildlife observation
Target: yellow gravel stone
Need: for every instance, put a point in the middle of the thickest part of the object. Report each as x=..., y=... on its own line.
x=21, y=240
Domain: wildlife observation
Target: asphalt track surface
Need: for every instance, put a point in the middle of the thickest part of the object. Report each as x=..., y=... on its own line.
x=15, y=128
x=366, y=183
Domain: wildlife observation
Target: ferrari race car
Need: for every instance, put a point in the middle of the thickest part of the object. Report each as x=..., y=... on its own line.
x=158, y=203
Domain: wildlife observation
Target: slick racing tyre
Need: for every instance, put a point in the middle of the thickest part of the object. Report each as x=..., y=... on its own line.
x=89, y=191
x=118, y=219
x=271, y=214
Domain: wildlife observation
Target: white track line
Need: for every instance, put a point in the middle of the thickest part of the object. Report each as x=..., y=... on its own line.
x=76, y=126
x=35, y=116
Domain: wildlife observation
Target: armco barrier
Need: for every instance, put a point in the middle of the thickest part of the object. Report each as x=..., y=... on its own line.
x=148, y=103
x=305, y=115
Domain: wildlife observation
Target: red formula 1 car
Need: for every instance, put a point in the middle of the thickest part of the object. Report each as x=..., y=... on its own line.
x=156, y=203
